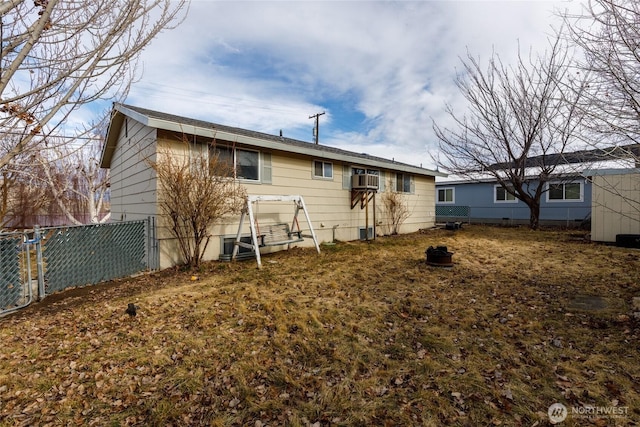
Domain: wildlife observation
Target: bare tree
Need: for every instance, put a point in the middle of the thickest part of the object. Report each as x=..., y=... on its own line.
x=518, y=119
x=608, y=33
x=195, y=192
x=395, y=209
x=58, y=55
x=76, y=184
x=24, y=197
x=8, y=180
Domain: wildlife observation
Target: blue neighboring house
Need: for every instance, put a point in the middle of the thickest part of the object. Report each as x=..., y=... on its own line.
x=565, y=202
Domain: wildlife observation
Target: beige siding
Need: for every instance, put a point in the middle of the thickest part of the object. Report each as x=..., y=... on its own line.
x=133, y=184
x=134, y=195
x=328, y=203
x=615, y=206
x=171, y=144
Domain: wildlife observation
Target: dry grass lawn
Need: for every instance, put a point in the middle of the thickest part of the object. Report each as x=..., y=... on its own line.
x=364, y=334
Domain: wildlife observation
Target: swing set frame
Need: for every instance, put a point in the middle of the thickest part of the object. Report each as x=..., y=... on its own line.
x=273, y=234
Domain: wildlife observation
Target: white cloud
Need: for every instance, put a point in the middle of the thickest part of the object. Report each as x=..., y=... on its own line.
x=269, y=65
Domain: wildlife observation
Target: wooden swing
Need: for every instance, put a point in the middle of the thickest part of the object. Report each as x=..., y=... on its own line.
x=273, y=234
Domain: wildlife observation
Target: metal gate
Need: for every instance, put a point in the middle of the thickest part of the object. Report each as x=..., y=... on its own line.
x=58, y=258
x=15, y=272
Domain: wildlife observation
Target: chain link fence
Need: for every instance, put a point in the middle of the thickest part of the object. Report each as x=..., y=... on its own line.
x=62, y=257
x=511, y=214
x=452, y=212
x=15, y=278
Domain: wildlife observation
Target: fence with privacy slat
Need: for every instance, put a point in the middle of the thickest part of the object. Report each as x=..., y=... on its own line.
x=13, y=288
x=58, y=258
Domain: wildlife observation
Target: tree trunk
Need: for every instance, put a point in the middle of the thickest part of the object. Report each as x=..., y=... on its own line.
x=534, y=215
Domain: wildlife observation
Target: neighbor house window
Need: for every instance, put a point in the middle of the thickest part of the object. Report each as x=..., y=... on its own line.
x=501, y=195
x=565, y=191
x=403, y=183
x=446, y=195
x=244, y=163
x=322, y=169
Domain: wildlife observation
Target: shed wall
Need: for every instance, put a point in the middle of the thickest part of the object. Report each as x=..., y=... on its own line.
x=615, y=206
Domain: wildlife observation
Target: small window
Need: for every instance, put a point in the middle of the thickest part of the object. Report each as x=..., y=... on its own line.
x=228, y=244
x=362, y=233
x=501, y=195
x=446, y=195
x=564, y=191
x=322, y=169
x=403, y=183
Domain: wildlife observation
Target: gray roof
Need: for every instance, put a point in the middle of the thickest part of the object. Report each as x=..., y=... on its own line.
x=248, y=137
x=582, y=156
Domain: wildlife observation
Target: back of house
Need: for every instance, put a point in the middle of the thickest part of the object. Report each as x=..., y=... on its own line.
x=342, y=190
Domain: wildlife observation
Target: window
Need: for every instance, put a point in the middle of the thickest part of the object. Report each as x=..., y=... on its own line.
x=225, y=156
x=403, y=183
x=322, y=169
x=446, y=195
x=245, y=163
x=228, y=244
x=501, y=195
x=362, y=233
x=565, y=192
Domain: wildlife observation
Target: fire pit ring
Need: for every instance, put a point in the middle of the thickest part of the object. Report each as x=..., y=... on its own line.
x=439, y=256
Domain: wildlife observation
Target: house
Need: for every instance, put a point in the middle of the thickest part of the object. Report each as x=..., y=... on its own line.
x=339, y=187
x=566, y=202
x=615, y=206
x=567, y=195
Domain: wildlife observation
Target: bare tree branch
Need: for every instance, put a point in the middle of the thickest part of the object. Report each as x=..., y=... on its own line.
x=608, y=33
x=59, y=55
x=196, y=190
x=515, y=114
x=76, y=183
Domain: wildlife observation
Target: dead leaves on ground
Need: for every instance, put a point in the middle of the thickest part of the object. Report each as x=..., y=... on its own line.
x=364, y=334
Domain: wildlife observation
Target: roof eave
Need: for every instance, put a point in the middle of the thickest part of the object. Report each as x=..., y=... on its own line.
x=274, y=145
x=111, y=140
x=209, y=132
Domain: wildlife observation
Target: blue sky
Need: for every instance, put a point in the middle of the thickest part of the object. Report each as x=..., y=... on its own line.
x=382, y=71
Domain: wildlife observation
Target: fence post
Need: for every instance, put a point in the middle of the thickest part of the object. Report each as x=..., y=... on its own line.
x=152, y=244
x=37, y=237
